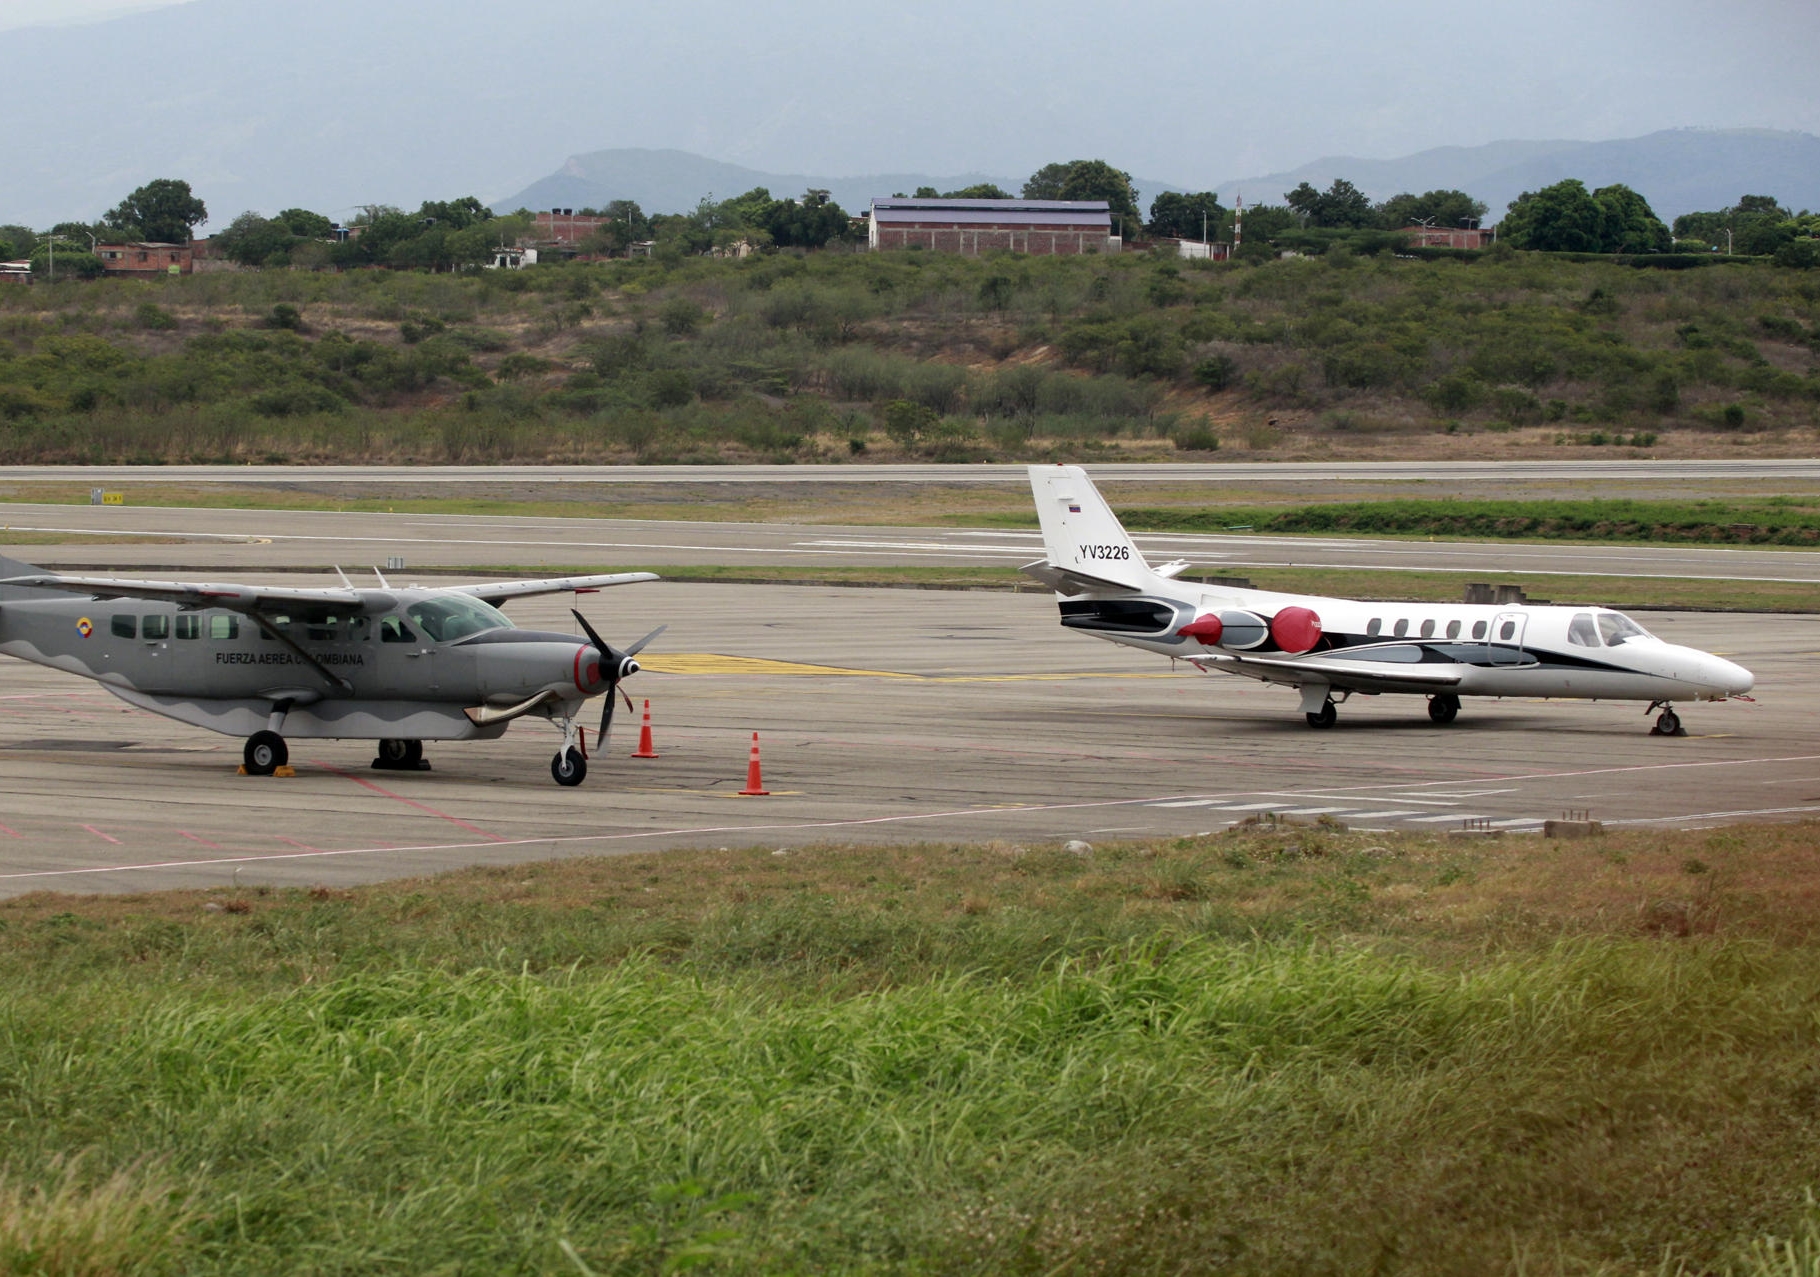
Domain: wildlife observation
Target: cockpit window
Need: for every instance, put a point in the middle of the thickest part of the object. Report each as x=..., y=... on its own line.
x=455, y=616
x=1616, y=627
x=1581, y=631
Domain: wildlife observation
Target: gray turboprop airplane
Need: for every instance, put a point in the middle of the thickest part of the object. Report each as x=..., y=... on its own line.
x=396, y=665
x=1326, y=647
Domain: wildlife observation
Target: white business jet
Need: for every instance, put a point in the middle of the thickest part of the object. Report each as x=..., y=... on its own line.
x=1331, y=649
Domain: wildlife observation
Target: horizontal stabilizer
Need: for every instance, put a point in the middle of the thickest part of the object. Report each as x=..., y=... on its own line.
x=1067, y=581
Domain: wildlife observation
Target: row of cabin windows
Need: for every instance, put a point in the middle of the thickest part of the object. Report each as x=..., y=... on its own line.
x=225, y=625
x=1375, y=626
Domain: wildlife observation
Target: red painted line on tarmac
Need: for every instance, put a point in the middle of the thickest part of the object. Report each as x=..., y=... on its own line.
x=306, y=846
x=197, y=838
x=10, y=833
x=99, y=834
x=412, y=802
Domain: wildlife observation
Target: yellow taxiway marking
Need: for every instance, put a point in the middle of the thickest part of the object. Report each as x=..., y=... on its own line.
x=714, y=663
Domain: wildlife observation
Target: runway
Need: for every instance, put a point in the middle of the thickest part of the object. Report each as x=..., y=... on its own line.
x=884, y=715
x=1626, y=470
x=238, y=542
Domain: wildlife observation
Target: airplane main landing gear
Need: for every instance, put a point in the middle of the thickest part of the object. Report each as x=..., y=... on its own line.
x=265, y=753
x=400, y=756
x=1326, y=716
x=1444, y=707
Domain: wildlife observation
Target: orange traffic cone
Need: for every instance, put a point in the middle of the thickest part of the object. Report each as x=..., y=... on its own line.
x=755, y=784
x=645, y=748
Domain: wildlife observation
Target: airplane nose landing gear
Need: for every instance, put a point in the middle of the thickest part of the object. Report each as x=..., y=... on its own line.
x=569, y=767
x=1326, y=716
x=1668, y=723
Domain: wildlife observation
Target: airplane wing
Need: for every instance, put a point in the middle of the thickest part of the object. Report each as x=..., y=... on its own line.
x=499, y=591
x=1358, y=675
x=201, y=594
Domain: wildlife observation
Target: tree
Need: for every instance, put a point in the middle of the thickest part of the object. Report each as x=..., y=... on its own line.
x=1340, y=205
x=1756, y=225
x=979, y=191
x=1563, y=218
x=1098, y=180
x=1046, y=182
x=252, y=240
x=1179, y=216
x=1432, y=208
x=163, y=211
x=304, y=224
x=1627, y=223
x=18, y=241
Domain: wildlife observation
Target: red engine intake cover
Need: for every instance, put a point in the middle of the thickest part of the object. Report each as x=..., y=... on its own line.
x=1296, y=630
x=1204, y=629
x=587, y=669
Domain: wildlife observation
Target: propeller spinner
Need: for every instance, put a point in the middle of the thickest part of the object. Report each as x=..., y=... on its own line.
x=614, y=666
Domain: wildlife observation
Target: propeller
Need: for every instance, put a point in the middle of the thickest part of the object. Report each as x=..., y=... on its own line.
x=615, y=665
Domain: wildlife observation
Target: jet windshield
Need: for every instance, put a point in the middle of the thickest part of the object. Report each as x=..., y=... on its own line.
x=1615, y=627
x=456, y=616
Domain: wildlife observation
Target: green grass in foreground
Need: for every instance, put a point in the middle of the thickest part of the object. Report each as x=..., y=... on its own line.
x=1283, y=1051
x=1703, y=594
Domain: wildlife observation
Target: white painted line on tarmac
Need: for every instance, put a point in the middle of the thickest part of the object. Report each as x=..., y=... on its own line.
x=1384, y=815
x=1435, y=820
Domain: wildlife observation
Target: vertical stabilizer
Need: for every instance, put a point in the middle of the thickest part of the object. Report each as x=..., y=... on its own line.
x=1080, y=532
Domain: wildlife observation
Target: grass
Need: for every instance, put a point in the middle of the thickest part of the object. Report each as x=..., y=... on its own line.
x=1290, y=1049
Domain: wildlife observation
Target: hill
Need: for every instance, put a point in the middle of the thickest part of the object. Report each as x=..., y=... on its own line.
x=670, y=181
x=1677, y=170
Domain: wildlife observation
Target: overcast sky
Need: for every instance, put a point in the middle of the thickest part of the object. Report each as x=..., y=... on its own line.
x=1223, y=90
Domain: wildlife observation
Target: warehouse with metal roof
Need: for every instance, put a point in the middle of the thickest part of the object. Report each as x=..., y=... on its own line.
x=1040, y=227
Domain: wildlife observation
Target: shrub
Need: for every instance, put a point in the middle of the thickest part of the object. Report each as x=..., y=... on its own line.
x=285, y=316
x=906, y=422
x=681, y=317
x=153, y=317
x=1198, y=437
x=1216, y=372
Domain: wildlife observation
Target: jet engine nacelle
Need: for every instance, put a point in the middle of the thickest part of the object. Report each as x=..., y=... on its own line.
x=1233, y=629
x=1294, y=630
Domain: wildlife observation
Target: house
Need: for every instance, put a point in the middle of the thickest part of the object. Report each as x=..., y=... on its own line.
x=512, y=258
x=143, y=260
x=1200, y=250
x=1420, y=236
x=16, y=272
x=1040, y=227
x=564, y=226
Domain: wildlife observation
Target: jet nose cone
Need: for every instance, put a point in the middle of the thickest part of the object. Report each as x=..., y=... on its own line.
x=1735, y=679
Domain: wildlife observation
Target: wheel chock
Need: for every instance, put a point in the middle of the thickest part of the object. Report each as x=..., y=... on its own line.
x=285, y=772
x=240, y=770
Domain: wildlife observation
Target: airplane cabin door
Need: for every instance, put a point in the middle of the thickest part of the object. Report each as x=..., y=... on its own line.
x=1506, y=637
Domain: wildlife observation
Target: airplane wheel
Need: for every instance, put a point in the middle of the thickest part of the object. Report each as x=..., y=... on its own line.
x=1669, y=723
x=396, y=752
x=265, y=753
x=1326, y=717
x=569, y=767
x=1444, y=708
x=413, y=753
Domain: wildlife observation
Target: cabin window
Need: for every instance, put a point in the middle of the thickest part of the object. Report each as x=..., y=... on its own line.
x=1478, y=629
x=1428, y=628
x=1373, y=626
x=1508, y=630
x=1453, y=629
x=359, y=629
x=322, y=628
x=124, y=626
x=393, y=630
x=1402, y=627
x=1616, y=627
x=188, y=625
x=1581, y=631
x=224, y=625
x=454, y=616
x=274, y=626
x=155, y=627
